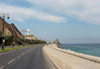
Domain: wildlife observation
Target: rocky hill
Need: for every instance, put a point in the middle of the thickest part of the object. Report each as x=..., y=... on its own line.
x=56, y=41
x=10, y=29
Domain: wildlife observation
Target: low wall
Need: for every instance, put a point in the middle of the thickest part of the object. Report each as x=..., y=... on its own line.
x=55, y=58
x=66, y=63
x=84, y=56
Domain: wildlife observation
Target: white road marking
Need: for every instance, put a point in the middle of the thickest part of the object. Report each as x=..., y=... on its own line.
x=23, y=54
x=11, y=61
x=10, y=51
x=1, y=67
x=18, y=57
x=6, y=52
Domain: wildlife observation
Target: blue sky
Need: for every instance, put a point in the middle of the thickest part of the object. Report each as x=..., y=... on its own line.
x=71, y=21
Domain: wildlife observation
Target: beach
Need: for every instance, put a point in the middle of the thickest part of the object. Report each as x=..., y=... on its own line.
x=66, y=59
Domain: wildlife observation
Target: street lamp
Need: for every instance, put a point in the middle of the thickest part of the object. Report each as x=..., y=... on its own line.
x=23, y=32
x=3, y=16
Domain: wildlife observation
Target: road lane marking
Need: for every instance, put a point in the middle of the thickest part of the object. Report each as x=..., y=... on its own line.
x=19, y=56
x=7, y=52
x=23, y=54
x=1, y=67
x=27, y=51
x=11, y=61
x=3, y=53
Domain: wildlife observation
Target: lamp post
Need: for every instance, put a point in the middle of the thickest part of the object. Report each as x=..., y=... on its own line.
x=28, y=33
x=23, y=32
x=3, y=16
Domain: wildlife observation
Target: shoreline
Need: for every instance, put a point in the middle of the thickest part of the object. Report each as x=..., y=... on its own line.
x=81, y=55
x=71, y=60
x=77, y=50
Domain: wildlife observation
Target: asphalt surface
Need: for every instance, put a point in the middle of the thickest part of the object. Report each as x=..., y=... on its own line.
x=27, y=58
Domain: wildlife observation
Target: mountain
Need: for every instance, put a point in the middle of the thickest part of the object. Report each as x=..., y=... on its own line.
x=10, y=29
x=56, y=41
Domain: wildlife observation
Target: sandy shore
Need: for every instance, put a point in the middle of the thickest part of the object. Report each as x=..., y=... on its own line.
x=64, y=59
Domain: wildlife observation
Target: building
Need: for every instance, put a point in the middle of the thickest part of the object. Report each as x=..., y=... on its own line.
x=30, y=37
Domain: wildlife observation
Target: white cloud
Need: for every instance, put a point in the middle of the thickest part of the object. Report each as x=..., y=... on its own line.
x=84, y=10
x=21, y=14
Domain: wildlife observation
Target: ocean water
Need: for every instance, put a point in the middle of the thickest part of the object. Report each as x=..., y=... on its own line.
x=90, y=49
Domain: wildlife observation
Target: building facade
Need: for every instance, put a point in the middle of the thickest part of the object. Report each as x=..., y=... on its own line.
x=30, y=37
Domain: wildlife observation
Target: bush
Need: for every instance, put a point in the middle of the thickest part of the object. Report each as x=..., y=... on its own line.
x=12, y=40
x=27, y=41
x=9, y=40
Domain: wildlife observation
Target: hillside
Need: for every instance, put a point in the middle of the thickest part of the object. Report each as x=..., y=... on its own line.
x=10, y=29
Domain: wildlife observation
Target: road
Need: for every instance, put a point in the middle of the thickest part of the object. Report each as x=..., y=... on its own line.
x=27, y=58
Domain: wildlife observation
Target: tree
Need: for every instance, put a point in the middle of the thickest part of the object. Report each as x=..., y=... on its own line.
x=9, y=39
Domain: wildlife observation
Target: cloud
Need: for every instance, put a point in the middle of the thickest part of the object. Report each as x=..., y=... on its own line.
x=21, y=14
x=83, y=10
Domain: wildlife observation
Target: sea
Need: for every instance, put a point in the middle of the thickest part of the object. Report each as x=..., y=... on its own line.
x=89, y=49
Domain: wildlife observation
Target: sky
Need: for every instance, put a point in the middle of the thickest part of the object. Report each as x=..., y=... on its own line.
x=71, y=21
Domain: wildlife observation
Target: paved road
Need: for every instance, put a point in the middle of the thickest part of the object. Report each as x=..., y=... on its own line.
x=27, y=58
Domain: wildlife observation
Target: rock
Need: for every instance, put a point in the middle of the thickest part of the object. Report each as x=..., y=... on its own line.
x=57, y=43
x=10, y=29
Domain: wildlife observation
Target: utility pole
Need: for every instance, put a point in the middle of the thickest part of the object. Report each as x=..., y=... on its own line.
x=3, y=16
